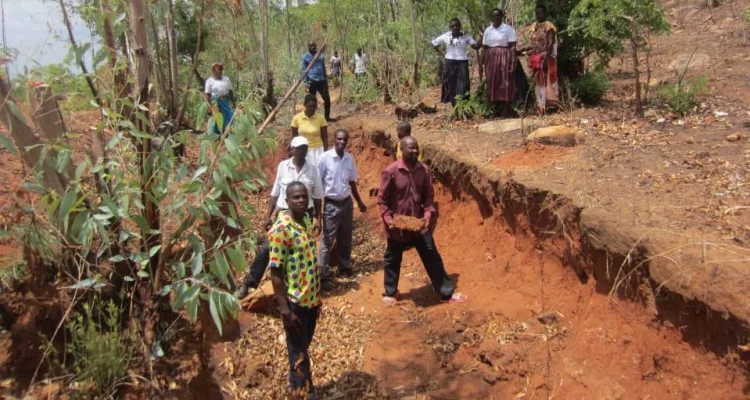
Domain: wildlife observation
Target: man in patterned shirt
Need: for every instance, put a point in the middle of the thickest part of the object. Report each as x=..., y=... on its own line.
x=295, y=275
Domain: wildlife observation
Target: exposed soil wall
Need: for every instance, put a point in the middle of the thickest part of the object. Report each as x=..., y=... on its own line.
x=594, y=247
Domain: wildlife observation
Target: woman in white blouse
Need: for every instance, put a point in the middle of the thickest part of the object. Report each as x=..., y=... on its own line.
x=500, y=63
x=220, y=97
x=456, y=77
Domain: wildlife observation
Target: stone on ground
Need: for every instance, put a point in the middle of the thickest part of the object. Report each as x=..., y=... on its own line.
x=684, y=61
x=509, y=125
x=556, y=135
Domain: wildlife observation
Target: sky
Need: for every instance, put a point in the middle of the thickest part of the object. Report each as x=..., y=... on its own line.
x=36, y=29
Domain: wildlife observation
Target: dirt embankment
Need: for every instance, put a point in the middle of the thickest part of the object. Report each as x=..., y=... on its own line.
x=562, y=301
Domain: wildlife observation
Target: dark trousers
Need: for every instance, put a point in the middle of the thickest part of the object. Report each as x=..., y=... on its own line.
x=431, y=260
x=338, y=224
x=322, y=88
x=298, y=343
x=258, y=267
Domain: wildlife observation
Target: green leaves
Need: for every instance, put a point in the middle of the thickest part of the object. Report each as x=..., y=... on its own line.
x=8, y=145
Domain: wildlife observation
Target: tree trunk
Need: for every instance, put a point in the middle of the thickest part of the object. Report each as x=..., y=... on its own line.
x=142, y=66
x=162, y=95
x=29, y=146
x=647, y=85
x=172, y=41
x=178, y=119
x=636, y=70
x=414, y=45
x=49, y=121
x=268, y=99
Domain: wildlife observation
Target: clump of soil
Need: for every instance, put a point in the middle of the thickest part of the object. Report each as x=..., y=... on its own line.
x=408, y=223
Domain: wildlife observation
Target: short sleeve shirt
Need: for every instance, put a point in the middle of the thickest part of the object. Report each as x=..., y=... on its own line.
x=310, y=127
x=360, y=63
x=287, y=173
x=336, y=173
x=501, y=36
x=456, y=47
x=218, y=87
x=292, y=248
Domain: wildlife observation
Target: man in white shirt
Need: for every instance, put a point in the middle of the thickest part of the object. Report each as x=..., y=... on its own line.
x=339, y=176
x=360, y=63
x=291, y=170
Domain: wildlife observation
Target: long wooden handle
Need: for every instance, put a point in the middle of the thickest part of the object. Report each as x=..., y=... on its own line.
x=291, y=90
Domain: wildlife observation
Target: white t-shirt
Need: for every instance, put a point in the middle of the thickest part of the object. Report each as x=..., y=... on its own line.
x=501, y=36
x=218, y=87
x=360, y=63
x=456, y=48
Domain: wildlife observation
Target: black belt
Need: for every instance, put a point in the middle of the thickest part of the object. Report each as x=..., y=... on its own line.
x=334, y=201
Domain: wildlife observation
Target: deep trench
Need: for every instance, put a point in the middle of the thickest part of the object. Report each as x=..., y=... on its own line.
x=547, y=217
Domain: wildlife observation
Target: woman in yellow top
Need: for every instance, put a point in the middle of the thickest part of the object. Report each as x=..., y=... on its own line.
x=313, y=127
x=403, y=130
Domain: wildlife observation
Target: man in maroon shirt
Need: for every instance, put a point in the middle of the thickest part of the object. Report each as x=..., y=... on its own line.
x=406, y=189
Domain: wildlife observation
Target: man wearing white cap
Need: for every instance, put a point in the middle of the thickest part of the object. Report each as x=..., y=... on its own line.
x=290, y=170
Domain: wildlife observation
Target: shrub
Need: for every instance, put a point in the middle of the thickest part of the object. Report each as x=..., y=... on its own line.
x=681, y=96
x=590, y=87
x=477, y=103
x=101, y=354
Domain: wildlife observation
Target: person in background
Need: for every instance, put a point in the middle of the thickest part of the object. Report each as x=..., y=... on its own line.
x=220, y=97
x=542, y=52
x=456, y=76
x=406, y=189
x=339, y=176
x=360, y=64
x=316, y=79
x=295, y=169
x=499, y=42
x=295, y=276
x=312, y=126
x=403, y=129
x=335, y=68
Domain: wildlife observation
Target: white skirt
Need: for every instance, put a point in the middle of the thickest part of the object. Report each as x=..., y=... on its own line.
x=313, y=155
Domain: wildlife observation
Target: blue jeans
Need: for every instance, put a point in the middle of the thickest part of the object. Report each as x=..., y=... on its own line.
x=298, y=343
x=431, y=260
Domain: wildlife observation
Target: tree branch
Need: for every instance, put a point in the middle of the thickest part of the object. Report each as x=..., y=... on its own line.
x=181, y=111
x=85, y=71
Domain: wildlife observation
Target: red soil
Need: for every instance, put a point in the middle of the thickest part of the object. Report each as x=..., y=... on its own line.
x=494, y=346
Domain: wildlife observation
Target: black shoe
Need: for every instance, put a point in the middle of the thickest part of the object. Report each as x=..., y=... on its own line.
x=346, y=272
x=329, y=119
x=326, y=285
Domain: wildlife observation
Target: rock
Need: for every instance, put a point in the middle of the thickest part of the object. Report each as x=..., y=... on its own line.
x=650, y=113
x=549, y=317
x=491, y=378
x=684, y=61
x=509, y=125
x=427, y=106
x=734, y=137
x=556, y=135
x=405, y=111
x=690, y=140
